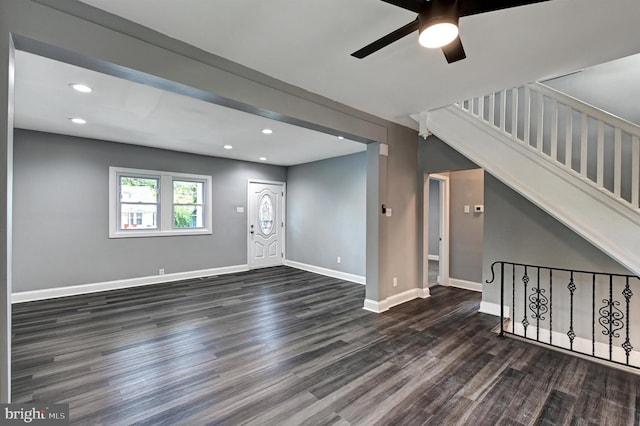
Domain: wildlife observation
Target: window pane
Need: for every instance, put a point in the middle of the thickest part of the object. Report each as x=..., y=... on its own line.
x=266, y=214
x=138, y=190
x=188, y=216
x=138, y=216
x=185, y=192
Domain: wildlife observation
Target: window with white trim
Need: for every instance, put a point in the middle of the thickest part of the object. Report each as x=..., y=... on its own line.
x=146, y=203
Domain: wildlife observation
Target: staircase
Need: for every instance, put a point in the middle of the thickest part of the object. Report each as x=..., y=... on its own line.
x=578, y=163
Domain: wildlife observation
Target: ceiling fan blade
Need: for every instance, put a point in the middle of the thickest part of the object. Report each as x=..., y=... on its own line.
x=386, y=40
x=412, y=5
x=473, y=7
x=454, y=51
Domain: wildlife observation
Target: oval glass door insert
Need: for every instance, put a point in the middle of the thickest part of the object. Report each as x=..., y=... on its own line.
x=265, y=212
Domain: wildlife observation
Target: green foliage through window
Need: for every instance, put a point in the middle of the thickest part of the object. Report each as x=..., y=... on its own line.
x=187, y=200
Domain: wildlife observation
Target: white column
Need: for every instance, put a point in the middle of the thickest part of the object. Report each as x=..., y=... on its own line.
x=6, y=186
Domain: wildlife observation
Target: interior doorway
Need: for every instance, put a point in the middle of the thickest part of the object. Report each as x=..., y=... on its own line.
x=436, y=200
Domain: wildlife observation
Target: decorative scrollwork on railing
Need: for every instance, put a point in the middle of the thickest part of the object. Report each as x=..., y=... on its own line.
x=627, y=293
x=525, y=320
x=571, y=333
x=611, y=318
x=538, y=303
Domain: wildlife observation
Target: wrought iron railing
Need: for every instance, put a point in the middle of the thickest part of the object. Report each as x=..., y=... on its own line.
x=591, y=313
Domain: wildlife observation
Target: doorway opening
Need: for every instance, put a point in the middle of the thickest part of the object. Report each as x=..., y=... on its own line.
x=436, y=200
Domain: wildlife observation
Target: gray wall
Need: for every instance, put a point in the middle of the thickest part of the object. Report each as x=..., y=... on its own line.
x=434, y=217
x=518, y=231
x=399, y=239
x=326, y=213
x=61, y=213
x=466, y=229
x=515, y=230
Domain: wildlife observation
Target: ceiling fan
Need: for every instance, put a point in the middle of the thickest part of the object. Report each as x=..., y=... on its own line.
x=437, y=23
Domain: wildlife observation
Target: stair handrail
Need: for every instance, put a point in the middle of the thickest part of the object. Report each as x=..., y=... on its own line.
x=589, y=109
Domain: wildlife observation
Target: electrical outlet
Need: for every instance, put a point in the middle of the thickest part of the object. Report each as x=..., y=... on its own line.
x=339, y=259
x=160, y=271
x=395, y=281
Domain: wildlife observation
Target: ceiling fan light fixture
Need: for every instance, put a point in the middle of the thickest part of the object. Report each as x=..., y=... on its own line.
x=438, y=34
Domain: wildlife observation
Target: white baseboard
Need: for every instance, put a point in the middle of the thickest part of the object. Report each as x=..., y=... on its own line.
x=395, y=300
x=580, y=344
x=359, y=279
x=433, y=257
x=467, y=285
x=50, y=293
x=493, y=309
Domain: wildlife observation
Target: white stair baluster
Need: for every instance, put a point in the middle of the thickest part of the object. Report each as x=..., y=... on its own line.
x=526, y=134
x=514, y=113
x=540, y=130
x=600, y=154
x=554, y=130
x=568, y=147
x=635, y=171
x=617, y=168
x=584, y=152
x=503, y=110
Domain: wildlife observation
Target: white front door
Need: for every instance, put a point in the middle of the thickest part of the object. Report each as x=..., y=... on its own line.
x=266, y=224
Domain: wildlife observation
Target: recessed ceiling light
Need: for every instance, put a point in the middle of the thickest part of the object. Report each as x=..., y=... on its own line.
x=228, y=147
x=263, y=158
x=267, y=131
x=81, y=87
x=340, y=137
x=78, y=120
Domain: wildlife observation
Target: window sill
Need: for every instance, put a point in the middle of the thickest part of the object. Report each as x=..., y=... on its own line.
x=172, y=233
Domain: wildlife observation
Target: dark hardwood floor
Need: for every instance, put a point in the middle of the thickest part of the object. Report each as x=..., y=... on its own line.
x=282, y=346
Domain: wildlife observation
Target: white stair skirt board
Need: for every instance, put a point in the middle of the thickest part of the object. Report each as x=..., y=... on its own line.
x=580, y=344
x=492, y=309
x=50, y=293
x=467, y=285
x=573, y=201
x=395, y=300
x=358, y=279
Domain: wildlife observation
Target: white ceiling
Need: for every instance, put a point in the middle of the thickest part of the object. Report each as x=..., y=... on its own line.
x=121, y=111
x=308, y=44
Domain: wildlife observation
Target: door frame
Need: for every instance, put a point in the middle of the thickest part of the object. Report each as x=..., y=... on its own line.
x=443, y=180
x=283, y=215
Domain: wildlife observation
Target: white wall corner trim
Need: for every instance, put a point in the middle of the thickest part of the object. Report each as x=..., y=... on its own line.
x=373, y=306
x=467, y=285
x=492, y=309
x=29, y=296
x=395, y=300
x=423, y=293
x=358, y=279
